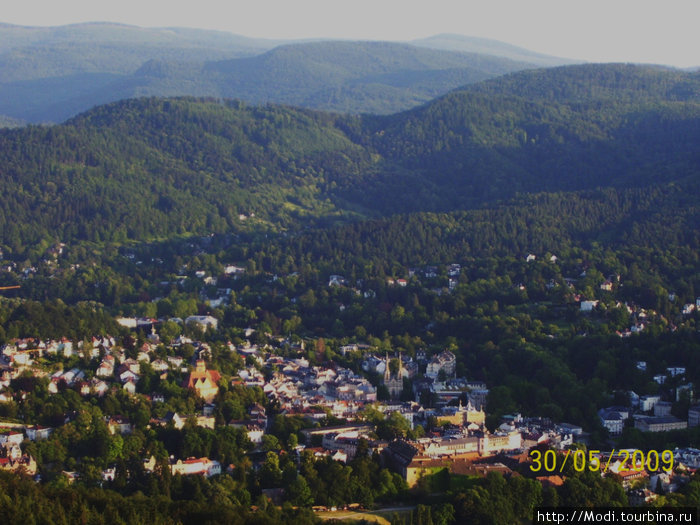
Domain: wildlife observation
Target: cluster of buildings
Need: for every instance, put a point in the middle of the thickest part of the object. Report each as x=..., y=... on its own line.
x=456, y=436
x=114, y=371
x=11, y=456
x=429, y=273
x=462, y=444
x=652, y=413
x=689, y=308
x=205, y=322
x=301, y=389
x=439, y=377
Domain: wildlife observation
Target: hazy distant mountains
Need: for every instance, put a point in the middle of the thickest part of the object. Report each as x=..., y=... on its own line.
x=50, y=74
x=485, y=46
x=28, y=53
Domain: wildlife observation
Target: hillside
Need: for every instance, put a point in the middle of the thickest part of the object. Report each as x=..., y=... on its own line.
x=114, y=173
x=595, y=83
x=154, y=168
x=527, y=133
x=659, y=219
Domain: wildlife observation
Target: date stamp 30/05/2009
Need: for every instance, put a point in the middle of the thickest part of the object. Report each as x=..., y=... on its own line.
x=618, y=461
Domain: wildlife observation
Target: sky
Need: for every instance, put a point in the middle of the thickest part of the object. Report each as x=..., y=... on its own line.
x=640, y=31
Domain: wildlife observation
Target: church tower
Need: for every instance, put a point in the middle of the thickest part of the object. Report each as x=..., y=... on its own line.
x=394, y=384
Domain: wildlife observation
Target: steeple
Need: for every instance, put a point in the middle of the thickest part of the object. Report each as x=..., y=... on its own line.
x=393, y=382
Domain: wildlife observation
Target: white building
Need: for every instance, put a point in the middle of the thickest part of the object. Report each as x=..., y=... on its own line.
x=202, y=466
x=646, y=403
x=587, y=306
x=205, y=321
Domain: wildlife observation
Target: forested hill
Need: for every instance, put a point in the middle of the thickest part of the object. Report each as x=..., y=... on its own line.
x=595, y=83
x=153, y=168
x=543, y=130
x=662, y=220
x=141, y=169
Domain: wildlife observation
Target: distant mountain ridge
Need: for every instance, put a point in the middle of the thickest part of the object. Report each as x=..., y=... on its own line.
x=50, y=74
x=164, y=42
x=486, y=46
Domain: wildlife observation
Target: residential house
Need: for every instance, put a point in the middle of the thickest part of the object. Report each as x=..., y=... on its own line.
x=38, y=432
x=119, y=425
x=337, y=280
x=128, y=375
x=206, y=322
x=130, y=386
x=174, y=418
x=196, y=466
x=588, y=306
x=98, y=387
x=612, y=420
x=159, y=365
x=175, y=361
x=253, y=431
x=25, y=464
x=445, y=361
x=106, y=368
x=646, y=403
x=84, y=388
x=10, y=437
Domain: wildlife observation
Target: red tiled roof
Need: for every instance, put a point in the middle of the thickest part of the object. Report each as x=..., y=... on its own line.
x=555, y=481
x=633, y=474
x=196, y=377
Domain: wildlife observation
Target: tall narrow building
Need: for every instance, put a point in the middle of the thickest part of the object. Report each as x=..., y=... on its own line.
x=393, y=383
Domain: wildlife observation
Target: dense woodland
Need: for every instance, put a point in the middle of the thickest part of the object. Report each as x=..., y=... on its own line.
x=591, y=170
x=153, y=168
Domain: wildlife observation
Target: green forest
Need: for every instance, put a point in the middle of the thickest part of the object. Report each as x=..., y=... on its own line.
x=148, y=169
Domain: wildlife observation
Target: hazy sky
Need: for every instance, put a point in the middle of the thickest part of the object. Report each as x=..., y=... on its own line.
x=596, y=30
